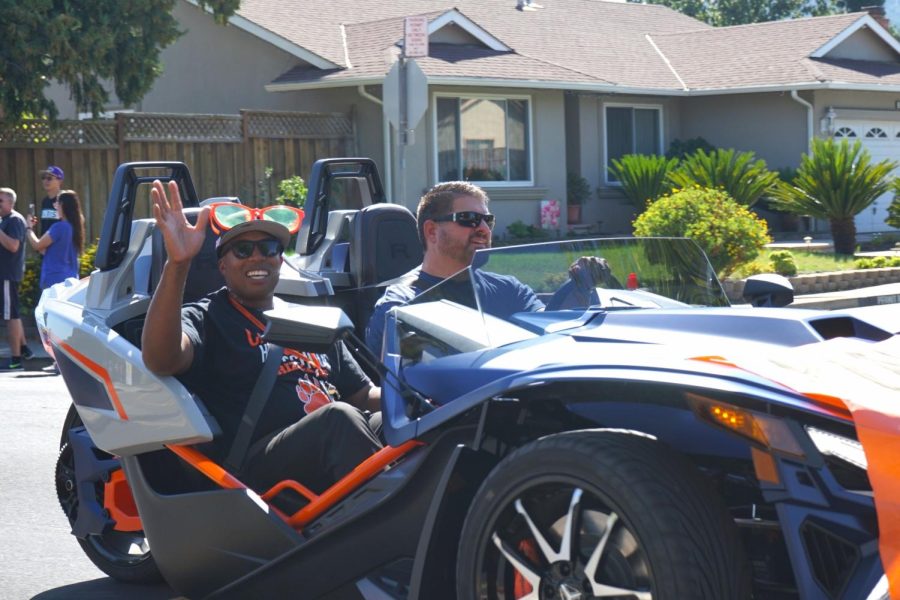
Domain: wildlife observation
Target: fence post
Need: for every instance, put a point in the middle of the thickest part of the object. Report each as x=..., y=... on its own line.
x=120, y=135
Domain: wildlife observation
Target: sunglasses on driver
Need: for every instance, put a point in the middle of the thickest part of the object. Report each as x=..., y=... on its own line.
x=244, y=248
x=467, y=218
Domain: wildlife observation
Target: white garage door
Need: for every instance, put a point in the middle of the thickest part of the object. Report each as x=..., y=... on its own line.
x=882, y=140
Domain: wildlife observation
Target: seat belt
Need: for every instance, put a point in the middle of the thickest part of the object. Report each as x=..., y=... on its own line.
x=258, y=397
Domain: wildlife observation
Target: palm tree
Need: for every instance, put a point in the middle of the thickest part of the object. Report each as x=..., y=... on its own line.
x=740, y=174
x=836, y=182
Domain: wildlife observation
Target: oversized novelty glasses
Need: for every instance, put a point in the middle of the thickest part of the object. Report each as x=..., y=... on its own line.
x=244, y=248
x=225, y=215
x=468, y=218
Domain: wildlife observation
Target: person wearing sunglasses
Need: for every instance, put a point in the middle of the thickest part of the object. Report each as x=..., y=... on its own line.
x=51, y=180
x=453, y=222
x=312, y=428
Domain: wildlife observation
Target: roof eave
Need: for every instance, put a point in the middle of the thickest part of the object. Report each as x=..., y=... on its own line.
x=863, y=21
x=578, y=86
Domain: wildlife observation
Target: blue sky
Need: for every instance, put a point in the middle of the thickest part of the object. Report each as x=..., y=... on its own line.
x=893, y=11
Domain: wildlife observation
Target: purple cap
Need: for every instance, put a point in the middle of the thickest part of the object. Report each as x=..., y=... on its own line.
x=55, y=171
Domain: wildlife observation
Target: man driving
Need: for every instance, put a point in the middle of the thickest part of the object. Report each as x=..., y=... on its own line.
x=453, y=222
x=312, y=428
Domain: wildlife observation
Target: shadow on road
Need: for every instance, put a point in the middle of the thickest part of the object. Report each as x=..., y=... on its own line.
x=108, y=589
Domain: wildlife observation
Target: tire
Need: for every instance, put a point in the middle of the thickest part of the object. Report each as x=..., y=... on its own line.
x=124, y=556
x=642, y=524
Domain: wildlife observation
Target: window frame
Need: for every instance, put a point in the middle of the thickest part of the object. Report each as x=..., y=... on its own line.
x=659, y=142
x=484, y=184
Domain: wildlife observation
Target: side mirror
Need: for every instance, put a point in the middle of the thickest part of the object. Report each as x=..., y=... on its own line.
x=768, y=290
x=306, y=328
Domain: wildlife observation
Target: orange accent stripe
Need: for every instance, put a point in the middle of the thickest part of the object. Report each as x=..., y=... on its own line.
x=98, y=371
x=202, y=463
x=831, y=404
x=318, y=504
x=352, y=480
x=240, y=308
x=293, y=485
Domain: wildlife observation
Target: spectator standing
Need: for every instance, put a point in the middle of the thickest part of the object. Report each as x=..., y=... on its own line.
x=63, y=241
x=51, y=179
x=12, y=269
x=61, y=244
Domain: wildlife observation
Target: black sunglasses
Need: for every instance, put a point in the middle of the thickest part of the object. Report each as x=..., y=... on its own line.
x=244, y=248
x=468, y=218
x=47, y=177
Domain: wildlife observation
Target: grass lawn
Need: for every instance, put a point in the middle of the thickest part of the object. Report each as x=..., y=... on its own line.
x=817, y=262
x=807, y=262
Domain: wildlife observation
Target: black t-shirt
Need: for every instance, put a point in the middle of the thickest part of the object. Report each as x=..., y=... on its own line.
x=48, y=215
x=229, y=355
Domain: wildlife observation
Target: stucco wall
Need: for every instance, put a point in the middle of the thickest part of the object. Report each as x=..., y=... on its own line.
x=771, y=125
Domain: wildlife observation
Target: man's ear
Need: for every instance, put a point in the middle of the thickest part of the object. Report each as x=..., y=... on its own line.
x=430, y=231
x=221, y=264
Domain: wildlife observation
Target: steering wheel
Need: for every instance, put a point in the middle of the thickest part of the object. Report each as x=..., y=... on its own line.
x=585, y=274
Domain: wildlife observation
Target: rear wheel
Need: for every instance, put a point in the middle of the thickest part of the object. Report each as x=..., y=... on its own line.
x=598, y=515
x=123, y=555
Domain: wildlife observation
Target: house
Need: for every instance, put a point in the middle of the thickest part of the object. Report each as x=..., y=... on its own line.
x=514, y=99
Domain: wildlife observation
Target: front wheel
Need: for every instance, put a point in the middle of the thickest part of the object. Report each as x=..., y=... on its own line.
x=598, y=515
x=123, y=555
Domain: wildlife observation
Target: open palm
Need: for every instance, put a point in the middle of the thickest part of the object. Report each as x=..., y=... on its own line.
x=183, y=240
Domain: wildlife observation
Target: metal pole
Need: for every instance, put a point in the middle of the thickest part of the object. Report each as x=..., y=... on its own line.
x=402, y=130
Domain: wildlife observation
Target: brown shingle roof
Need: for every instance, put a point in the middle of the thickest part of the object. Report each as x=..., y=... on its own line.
x=761, y=54
x=569, y=42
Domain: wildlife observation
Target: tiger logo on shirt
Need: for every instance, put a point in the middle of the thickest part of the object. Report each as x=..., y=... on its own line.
x=311, y=395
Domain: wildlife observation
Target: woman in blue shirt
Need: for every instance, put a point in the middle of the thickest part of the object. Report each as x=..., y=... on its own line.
x=62, y=243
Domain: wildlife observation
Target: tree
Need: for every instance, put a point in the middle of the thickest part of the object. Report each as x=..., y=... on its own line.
x=722, y=13
x=86, y=46
x=836, y=181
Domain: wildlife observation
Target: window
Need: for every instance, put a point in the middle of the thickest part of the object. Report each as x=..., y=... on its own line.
x=845, y=132
x=631, y=130
x=876, y=132
x=483, y=139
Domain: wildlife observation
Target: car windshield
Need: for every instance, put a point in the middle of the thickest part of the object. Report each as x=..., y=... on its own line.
x=511, y=294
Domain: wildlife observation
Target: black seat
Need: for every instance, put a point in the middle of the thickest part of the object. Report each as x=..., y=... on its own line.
x=204, y=275
x=384, y=244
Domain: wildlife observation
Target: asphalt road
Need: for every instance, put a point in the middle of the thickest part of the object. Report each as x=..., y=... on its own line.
x=39, y=558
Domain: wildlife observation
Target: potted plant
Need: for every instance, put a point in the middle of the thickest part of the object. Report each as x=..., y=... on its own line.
x=577, y=191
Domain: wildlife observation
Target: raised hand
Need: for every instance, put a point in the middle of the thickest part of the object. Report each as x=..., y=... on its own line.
x=183, y=240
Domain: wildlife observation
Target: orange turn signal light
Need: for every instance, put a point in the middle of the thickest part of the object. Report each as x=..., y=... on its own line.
x=769, y=432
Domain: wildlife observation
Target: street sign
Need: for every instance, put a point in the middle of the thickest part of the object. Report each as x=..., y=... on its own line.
x=415, y=37
x=416, y=94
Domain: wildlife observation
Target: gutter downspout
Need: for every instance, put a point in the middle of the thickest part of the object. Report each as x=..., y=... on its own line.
x=809, y=130
x=386, y=142
x=809, y=118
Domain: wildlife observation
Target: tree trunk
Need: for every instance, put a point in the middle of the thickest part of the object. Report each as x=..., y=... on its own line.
x=843, y=232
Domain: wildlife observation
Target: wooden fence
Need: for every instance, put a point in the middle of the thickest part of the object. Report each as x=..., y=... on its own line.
x=228, y=155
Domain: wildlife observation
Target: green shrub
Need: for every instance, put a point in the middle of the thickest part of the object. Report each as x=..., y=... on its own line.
x=729, y=233
x=577, y=189
x=292, y=191
x=893, y=218
x=643, y=177
x=783, y=262
x=29, y=287
x=86, y=260
x=519, y=230
x=742, y=177
x=679, y=149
